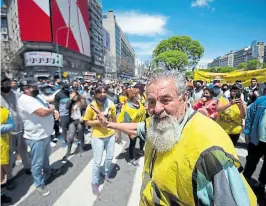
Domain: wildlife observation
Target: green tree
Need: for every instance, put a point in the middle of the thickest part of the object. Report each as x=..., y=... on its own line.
x=185, y=44
x=253, y=64
x=173, y=59
x=189, y=74
x=242, y=65
x=264, y=64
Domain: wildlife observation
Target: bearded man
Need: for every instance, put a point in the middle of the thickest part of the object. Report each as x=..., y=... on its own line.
x=189, y=159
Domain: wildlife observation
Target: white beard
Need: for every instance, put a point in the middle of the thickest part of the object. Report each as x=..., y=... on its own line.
x=163, y=134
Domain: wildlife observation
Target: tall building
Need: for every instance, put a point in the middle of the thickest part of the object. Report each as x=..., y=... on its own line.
x=5, y=43
x=255, y=51
x=264, y=59
x=96, y=33
x=242, y=55
x=214, y=63
x=51, y=38
x=121, y=52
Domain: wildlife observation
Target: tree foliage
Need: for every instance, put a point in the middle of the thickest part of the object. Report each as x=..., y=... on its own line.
x=185, y=45
x=253, y=64
x=173, y=59
x=242, y=65
x=189, y=74
x=264, y=64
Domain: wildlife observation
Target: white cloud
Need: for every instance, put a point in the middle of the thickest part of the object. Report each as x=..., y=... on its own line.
x=201, y=3
x=141, y=24
x=144, y=48
x=213, y=9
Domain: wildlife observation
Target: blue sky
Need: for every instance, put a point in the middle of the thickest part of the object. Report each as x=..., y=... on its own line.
x=219, y=25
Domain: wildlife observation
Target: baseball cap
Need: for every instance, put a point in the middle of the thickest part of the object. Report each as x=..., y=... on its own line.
x=237, y=86
x=217, y=78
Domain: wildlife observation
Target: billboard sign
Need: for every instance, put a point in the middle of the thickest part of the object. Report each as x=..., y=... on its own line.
x=43, y=59
x=34, y=20
x=106, y=39
x=70, y=21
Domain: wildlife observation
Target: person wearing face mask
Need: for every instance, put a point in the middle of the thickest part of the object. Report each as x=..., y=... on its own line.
x=207, y=105
x=38, y=124
x=113, y=97
x=76, y=107
x=133, y=111
x=226, y=91
x=231, y=113
x=61, y=99
x=217, y=91
x=102, y=138
x=197, y=94
x=18, y=149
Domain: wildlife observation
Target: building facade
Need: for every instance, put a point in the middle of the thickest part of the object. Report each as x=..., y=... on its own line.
x=255, y=51
x=121, y=52
x=96, y=33
x=5, y=43
x=264, y=59
x=214, y=63
x=54, y=29
x=242, y=55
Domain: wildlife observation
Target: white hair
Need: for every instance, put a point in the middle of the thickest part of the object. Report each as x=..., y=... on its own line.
x=177, y=76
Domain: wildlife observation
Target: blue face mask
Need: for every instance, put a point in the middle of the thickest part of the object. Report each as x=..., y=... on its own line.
x=216, y=90
x=102, y=99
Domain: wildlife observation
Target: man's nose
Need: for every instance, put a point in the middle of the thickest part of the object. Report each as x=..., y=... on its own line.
x=158, y=108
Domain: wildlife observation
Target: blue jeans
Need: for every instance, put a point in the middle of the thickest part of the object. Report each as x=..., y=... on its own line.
x=98, y=146
x=39, y=151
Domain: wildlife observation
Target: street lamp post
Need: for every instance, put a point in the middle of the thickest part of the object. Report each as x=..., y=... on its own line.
x=56, y=39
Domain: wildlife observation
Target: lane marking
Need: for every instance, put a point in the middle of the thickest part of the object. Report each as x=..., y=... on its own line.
x=82, y=185
x=135, y=194
x=54, y=157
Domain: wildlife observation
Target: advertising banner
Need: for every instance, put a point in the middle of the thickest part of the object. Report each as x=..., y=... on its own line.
x=70, y=20
x=231, y=77
x=43, y=59
x=106, y=39
x=34, y=20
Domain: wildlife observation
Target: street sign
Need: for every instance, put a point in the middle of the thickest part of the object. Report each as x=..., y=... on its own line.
x=65, y=74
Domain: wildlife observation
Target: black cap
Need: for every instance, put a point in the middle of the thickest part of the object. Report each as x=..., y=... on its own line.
x=237, y=86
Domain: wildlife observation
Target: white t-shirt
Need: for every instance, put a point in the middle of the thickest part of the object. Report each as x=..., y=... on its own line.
x=35, y=126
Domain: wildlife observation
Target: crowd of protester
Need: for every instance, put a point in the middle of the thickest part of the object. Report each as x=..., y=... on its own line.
x=35, y=115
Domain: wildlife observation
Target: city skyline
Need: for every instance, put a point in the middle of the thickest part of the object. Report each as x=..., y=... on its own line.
x=220, y=26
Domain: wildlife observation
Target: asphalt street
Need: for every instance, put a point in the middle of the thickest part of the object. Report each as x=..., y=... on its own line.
x=71, y=185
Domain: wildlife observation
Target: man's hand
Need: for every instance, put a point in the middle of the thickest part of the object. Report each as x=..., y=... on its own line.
x=103, y=121
x=204, y=99
x=56, y=115
x=236, y=101
x=51, y=107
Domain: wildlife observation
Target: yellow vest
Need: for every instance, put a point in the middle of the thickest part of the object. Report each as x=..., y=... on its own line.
x=4, y=138
x=168, y=177
x=230, y=119
x=136, y=115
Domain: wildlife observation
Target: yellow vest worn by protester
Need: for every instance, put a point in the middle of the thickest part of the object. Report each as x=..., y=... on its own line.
x=4, y=138
x=230, y=119
x=169, y=178
x=136, y=115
